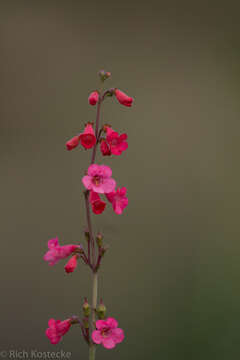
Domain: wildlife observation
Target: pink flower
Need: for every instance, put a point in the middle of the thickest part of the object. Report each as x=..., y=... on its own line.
x=57, y=329
x=93, y=98
x=88, y=138
x=123, y=98
x=57, y=252
x=118, y=199
x=71, y=264
x=116, y=142
x=107, y=333
x=72, y=143
x=105, y=149
x=99, y=179
x=98, y=205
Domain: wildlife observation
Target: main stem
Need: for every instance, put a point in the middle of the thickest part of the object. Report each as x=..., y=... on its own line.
x=92, y=346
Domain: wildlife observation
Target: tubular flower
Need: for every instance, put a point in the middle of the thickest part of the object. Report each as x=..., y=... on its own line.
x=107, y=333
x=88, y=138
x=57, y=252
x=123, y=98
x=118, y=199
x=93, y=98
x=98, y=205
x=57, y=329
x=99, y=179
x=71, y=264
x=72, y=143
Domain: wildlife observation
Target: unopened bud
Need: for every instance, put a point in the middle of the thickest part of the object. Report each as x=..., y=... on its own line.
x=99, y=239
x=86, y=323
x=105, y=127
x=101, y=310
x=86, y=308
x=104, y=75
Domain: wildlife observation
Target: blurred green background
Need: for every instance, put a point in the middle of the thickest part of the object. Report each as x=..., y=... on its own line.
x=171, y=276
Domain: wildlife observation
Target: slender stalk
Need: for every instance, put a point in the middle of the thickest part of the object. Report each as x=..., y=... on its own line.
x=92, y=346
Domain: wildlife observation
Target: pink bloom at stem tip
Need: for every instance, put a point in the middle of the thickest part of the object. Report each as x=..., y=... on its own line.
x=97, y=204
x=99, y=179
x=57, y=252
x=88, y=138
x=57, y=329
x=71, y=264
x=107, y=333
x=123, y=98
x=93, y=98
x=118, y=199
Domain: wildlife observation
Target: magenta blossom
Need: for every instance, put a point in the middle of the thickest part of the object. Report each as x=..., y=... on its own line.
x=117, y=143
x=57, y=329
x=118, y=199
x=107, y=333
x=57, y=252
x=93, y=98
x=99, y=179
x=98, y=205
x=123, y=98
x=71, y=264
x=88, y=138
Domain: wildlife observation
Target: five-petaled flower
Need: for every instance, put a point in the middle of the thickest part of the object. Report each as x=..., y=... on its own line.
x=114, y=144
x=118, y=199
x=57, y=252
x=57, y=329
x=107, y=333
x=99, y=179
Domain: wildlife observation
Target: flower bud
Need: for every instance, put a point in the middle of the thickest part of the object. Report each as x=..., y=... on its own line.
x=93, y=98
x=86, y=323
x=101, y=310
x=99, y=239
x=71, y=264
x=72, y=143
x=104, y=75
x=86, y=308
x=123, y=98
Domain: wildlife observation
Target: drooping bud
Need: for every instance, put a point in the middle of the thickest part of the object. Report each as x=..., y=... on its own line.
x=104, y=75
x=72, y=143
x=86, y=308
x=123, y=98
x=71, y=264
x=101, y=310
x=93, y=98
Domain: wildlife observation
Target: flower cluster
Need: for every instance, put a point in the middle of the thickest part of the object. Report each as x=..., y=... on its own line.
x=100, y=188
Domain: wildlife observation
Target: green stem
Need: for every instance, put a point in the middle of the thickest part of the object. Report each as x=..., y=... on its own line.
x=92, y=347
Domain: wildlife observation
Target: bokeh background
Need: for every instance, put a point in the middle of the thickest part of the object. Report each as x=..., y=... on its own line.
x=171, y=276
